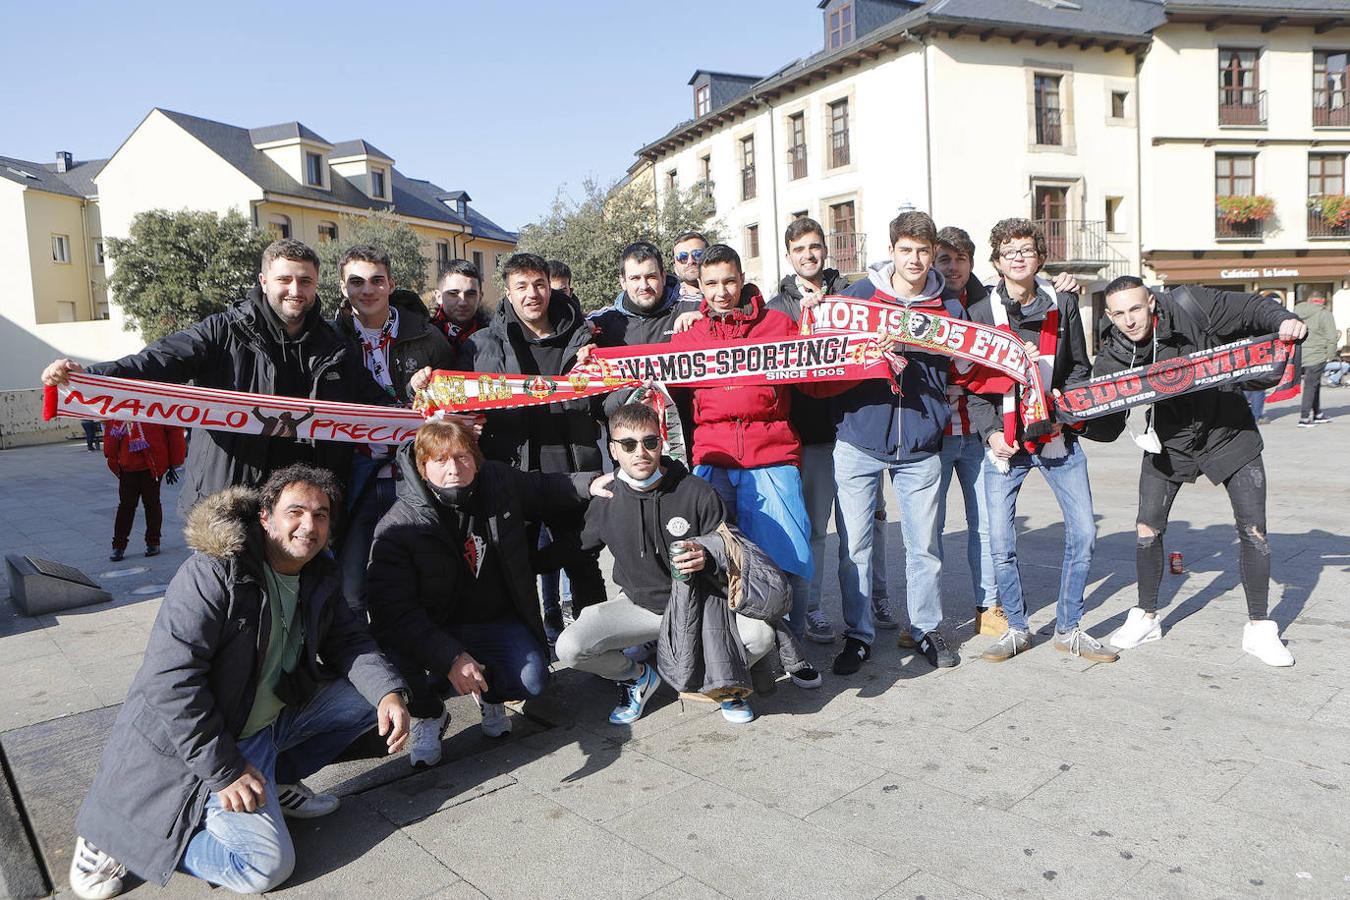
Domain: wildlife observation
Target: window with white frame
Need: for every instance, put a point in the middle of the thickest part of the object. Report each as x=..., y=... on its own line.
x=61, y=248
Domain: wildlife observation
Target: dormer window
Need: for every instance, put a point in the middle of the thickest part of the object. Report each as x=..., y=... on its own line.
x=314, y=169
x=702, y=100
x=840, y=26
x=377, y=183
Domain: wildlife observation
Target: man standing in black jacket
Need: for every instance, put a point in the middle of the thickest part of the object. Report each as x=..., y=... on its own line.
x=397, y=339
x=538, y=331
x=256, y=675
x=1210, y=433
x=274, y=341
x=813, y=421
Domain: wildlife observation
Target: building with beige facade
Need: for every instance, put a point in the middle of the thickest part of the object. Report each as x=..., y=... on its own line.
x=285, y=178
x=1056, y=110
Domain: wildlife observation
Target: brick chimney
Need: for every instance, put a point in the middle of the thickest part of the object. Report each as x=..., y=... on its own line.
x=64, y=161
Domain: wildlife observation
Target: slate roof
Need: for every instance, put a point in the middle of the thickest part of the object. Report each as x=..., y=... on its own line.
x=412, y=196
x=1330, y=7
x=44, y=177
x=283, y=132
x=357, y=147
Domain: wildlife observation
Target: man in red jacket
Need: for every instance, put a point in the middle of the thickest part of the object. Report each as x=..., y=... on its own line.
x=140, y=454
x=744, y=444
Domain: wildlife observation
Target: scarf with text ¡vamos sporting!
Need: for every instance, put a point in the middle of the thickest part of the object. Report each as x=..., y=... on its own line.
x=1248, y=359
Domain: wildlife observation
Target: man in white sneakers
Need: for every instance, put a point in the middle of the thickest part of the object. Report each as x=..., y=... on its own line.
x=1210, y=433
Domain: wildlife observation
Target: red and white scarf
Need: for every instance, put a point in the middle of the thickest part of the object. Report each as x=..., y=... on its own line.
x=1033, y=418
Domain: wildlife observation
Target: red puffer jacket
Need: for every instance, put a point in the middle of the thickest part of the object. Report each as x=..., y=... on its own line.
x=742, y=427
x=165, y=447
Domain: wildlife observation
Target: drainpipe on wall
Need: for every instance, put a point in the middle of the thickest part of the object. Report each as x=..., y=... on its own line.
x=927, y=117
x=773, y=199
x=88, y=261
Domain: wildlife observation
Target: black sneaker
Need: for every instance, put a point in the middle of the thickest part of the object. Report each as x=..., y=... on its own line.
x=117, y=555
x=152, y=550
x=935, y=650
x=808, y=676
x=1320, y=419
x=851, y=658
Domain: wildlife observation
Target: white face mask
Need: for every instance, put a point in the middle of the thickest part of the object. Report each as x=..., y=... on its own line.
x=643, y=485
x=1148, y=441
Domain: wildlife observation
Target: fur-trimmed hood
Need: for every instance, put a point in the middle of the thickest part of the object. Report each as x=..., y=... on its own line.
x=220, y=524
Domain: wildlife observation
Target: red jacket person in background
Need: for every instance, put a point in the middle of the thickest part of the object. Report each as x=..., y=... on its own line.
x=140, y=454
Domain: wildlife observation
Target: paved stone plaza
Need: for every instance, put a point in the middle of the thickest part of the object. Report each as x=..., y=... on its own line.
x=1187, y=769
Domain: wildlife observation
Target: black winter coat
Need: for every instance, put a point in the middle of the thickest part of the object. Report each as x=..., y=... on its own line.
x=173, y=743
x=1208, y=432
x=418, y=344
x=240, y=349
x=625, y=324
x=558, y=437
x=414, y=562
x=810, y=416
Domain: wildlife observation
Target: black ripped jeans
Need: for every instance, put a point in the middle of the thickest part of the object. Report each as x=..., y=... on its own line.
x=1247, y=493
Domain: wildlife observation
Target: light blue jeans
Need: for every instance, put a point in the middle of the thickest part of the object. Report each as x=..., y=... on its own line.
x=249, y=853
x=378, y=499
x=820, y=493
x=1068, y=480
x=917, y=482
x=963, y=455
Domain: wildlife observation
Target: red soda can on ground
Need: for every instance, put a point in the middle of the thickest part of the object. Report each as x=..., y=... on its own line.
x=1175, y=559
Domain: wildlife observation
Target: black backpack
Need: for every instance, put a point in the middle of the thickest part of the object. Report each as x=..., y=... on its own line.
x=1184, y=300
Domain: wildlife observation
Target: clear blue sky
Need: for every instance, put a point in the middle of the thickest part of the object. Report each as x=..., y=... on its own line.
x=574, y=87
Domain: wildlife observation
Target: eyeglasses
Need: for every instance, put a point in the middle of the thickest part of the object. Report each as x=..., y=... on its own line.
x=1018, y=253
x=684, y=255
x=629, y=445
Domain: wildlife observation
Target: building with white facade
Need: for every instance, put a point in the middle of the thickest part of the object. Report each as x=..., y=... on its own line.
x=1056, y=110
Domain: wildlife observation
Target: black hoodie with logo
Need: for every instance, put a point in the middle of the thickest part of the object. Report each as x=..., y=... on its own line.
x=246, y=348
x=638, y=527
x=554, y=437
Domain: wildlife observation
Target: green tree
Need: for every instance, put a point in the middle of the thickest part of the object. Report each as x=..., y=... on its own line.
x=385, y=231
x=590, y=233
x=177, y=268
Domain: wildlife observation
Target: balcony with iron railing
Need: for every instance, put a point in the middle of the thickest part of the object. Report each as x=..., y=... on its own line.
x=797, y=160
x=1081, y=245
x=1324, y=222
x=839, y=149
x=1250, y=230
x=1330, y=108
x=848, y=249
x=1243, y=107
x=748, y=186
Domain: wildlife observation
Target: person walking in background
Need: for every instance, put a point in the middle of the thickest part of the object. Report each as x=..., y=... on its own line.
x=140, y=454
x=92, y=439
x=1318, y=350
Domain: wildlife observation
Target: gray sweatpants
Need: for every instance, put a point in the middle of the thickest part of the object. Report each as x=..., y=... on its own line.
x=596, y=640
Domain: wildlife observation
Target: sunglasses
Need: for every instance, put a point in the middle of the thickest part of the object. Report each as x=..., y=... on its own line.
x=649, y=442
x=684, y=255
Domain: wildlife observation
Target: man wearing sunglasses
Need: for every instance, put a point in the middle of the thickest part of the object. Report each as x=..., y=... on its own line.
x=687, y=254
x=648, y=525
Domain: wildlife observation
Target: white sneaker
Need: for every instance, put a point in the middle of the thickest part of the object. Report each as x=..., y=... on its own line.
x=1262, y=640
x=495, y=720
x=424, y=744
x=1139, y=628
x=94, y=875
x=299, y=802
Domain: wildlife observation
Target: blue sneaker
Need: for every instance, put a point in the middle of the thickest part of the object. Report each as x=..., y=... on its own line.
x=737, y=712
x=633, y=696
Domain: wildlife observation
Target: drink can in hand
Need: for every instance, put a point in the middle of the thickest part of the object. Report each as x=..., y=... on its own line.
x=676, y=548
